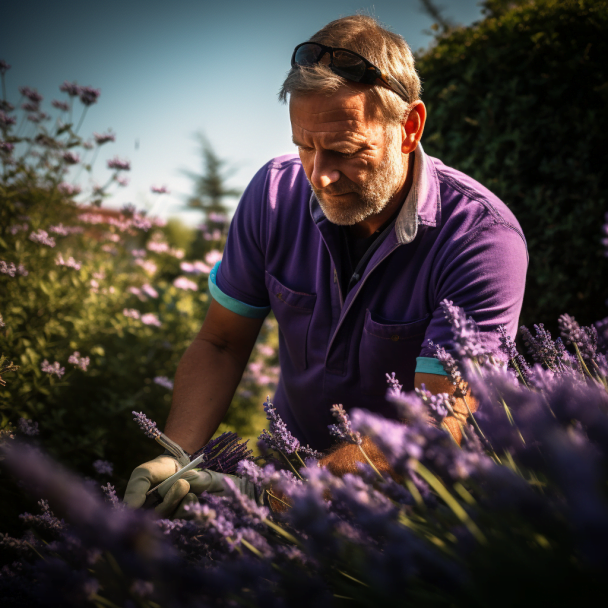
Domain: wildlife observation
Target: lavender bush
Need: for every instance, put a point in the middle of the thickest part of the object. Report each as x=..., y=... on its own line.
x=515, y=516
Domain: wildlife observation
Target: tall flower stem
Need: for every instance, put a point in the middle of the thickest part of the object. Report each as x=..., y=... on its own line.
x=371, y=464
x=84, y=112
x=291, y=465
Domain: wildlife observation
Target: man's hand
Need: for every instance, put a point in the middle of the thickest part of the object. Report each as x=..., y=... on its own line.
x=185, y=491
x=148, y=475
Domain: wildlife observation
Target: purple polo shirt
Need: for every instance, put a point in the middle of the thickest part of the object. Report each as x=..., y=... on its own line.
x=452, y=239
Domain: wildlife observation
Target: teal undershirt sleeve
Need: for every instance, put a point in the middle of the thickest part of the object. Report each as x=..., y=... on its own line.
x=430, y=365
x=240, y=308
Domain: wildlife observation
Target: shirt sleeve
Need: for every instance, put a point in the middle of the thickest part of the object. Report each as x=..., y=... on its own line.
x=484, y=273
x=240, y=277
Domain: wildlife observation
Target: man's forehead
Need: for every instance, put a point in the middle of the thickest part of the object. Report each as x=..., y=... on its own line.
x=337, y=116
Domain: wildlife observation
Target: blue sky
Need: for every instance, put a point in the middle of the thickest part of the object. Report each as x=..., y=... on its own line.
x=169, y=69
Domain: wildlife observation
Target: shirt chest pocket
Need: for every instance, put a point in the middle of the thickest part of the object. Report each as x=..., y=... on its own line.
x=293, y=311
x=388, y=347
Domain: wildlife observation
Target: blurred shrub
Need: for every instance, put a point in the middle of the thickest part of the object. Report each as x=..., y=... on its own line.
x=96, y=305
x=519, y=103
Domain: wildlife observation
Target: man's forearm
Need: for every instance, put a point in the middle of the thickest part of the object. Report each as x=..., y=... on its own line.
x=205, y=382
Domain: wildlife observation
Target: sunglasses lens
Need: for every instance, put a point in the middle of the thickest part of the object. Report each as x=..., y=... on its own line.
x=348, y=65
x=309, y=54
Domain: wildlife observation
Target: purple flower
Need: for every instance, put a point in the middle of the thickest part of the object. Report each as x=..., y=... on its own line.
x=30, y=107
x=119, y=164
x=517, y=362
x=224, y=453
x=89, y=95
x=78, y=361
x=343, y=429
x=110, y=492
x=8, y=269
x=45, y=521
x=160, y=189
x=164, y=382
x=103, y=467
x=4, y=67
x=70, y=158
x=54, y=369
x=104, y=138
x=584, y=338
x=439, y=404
x=123, y=181
x=465, y=331
x=64, y=106
x=6, y=147
x=42, y=237
x=279, y=437
x=31, y=94
x=146, y=425
x=27, y=427
x=36, y=118
x=6, y=120
x=71, y=88
x=150, y=319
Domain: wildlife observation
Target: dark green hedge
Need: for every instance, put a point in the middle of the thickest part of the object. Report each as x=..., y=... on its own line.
x=520, y=103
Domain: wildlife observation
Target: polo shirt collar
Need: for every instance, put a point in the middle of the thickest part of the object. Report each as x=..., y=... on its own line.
x=422, y=205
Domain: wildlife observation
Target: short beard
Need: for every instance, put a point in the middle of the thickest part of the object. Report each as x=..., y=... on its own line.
x=373, y=195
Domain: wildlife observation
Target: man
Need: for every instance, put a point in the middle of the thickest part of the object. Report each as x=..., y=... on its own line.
x=353, y=244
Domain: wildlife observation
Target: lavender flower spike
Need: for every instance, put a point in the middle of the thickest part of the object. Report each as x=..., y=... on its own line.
x=146, y=425
x=343, y=429
x=152, y=431
x=279, y=437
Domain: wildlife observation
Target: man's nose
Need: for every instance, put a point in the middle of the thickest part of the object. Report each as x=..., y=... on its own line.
x=323, y=173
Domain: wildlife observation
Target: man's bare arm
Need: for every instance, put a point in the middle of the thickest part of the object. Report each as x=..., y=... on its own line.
x=208, y=375
x=343, y=459
x=436, y=384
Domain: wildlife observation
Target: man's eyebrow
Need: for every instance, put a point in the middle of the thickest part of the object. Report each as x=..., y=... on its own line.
x=295, y=141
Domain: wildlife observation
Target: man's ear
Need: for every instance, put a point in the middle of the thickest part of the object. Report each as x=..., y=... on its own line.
x=412, y=127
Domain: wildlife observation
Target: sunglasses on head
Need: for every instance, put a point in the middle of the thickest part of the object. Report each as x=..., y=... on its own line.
x=345, y=63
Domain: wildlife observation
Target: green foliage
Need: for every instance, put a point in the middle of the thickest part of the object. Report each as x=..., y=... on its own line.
x=519, y=103
x=105, y=285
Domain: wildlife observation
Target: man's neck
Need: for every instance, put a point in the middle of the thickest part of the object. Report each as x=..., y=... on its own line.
x=376, y=222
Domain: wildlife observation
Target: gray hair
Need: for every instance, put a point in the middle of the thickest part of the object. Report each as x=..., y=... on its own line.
x=365, y=36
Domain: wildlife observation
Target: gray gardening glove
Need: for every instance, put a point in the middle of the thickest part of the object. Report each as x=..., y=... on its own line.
x=150, y=474
x=183, y=492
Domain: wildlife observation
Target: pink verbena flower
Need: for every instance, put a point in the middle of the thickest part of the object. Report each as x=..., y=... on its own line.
x=164, y=382
x=184, y=283
x=213, y=257
x=104, y=138
x=78, y=361
x=54, y=369
x=131, y=313
x=71, y=88
x=160, y=189
x=88, y=95
x=150, y=319
x=42, y=237
x=71, y=158
x=119, y=164
x=8, y=269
